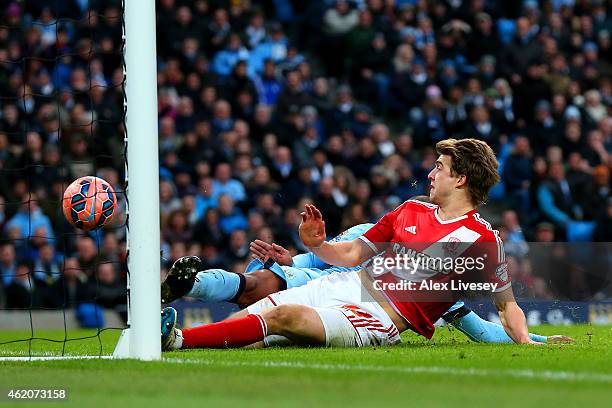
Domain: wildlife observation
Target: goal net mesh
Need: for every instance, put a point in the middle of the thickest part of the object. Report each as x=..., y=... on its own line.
x=62, y=290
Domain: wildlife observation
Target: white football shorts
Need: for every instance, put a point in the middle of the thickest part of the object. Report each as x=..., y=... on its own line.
x=350, y=316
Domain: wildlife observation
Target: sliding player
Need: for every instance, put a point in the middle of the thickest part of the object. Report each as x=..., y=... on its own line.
x=349, y=309
x=280, y=271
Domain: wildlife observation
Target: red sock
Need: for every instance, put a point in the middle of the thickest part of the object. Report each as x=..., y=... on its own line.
x=226, y=334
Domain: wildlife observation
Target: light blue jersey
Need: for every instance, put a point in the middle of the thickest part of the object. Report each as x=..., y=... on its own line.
x=307, y=267
x=310, y=260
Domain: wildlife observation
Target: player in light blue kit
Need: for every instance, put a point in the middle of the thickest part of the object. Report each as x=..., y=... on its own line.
x=280, y=271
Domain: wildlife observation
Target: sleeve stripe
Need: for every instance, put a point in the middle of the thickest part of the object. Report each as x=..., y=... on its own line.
x=506, y=286
x=369, y=243
x=501, y=254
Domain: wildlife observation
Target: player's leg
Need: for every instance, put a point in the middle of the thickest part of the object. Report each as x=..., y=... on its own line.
x=241, y=329
x=301, y=324
x=186, y=278
x=272, y=340
x=329, y=311
x=181, y=278
x=258, y=285
x=218, y=285
x=477, y=329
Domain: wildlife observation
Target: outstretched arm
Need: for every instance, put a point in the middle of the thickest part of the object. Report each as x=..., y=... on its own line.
x=344, y=253
x=512, y=317
x=484, y=331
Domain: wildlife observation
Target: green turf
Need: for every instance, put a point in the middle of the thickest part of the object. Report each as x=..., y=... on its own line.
x=448, y=371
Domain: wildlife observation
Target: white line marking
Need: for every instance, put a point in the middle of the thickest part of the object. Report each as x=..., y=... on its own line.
x=439, y=370
x=55, y=358
x=481, y=372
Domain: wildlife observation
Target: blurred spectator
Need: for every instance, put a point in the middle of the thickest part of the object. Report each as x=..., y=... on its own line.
x=87, y=255
x=238, y=247
x=111, y=248
x=8, y=262
x=595, y=152
x=47, y=268
x=239, y=81
x=556, y=200
x=230, y=217
x=282, y=165
x=324, y=200
x=110, y=292
x=168, y=201
x=224, y=184
x=302, y=185
x=293, y=97
x=596, y=193
x=224, y=60
x=515, y=244
x=337, y=23
x=21, y=291
x=523, y=50
x=255, y=31
x=366, y=158
x=321, y=168
x=268, y=84
x=544, y=132
x=28, y=219
x=517, y=174
x=344, y=182
x=72, y=287
x=222, y=120
x=178, y=228
x=370, y=68
x=267, y=207
x=272, y=48
x=483, y=40
x=603, y=230
x=207, y=231
x=480, y=127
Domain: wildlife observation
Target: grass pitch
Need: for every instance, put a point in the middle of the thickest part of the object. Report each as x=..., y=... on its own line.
x=448, y=371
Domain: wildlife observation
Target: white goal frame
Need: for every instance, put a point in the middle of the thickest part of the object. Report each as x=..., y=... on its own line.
x=142, y=340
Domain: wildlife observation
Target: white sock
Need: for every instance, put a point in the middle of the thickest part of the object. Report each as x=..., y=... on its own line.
x=178, y=340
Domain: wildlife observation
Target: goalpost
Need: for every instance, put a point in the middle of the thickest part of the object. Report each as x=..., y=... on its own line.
x=142, y=340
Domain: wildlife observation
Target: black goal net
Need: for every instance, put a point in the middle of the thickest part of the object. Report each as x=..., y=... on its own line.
x=62, y=289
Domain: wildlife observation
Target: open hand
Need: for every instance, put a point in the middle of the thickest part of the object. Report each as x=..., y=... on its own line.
x=264, y=251
x=281, y=255
x=558, y=338
x=312, y=227
x=260, y=250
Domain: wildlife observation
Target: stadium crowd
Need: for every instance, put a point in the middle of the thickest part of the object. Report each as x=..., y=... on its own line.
x=267, y=105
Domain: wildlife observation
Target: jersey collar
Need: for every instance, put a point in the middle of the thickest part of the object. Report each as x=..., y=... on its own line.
x=462, y=217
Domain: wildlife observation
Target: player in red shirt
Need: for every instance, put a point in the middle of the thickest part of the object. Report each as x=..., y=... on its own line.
x=360, y=308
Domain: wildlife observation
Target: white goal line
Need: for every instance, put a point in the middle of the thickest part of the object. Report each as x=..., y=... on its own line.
x=54, y=358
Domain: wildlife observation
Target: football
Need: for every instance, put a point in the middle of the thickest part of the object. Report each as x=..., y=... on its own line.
x=89, y=203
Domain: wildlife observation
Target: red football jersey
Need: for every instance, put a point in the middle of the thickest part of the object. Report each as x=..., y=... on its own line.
x=435, y=247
